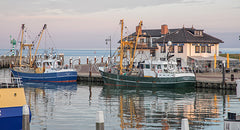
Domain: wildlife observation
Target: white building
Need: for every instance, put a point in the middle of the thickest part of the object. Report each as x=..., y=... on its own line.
x=188, y=44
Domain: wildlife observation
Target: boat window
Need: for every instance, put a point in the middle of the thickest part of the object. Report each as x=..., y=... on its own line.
x=165, y=66
x=153, y=66
x=147, y=66
x=158, y=66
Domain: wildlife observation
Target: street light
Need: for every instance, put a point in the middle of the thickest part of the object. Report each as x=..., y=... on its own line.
x=109, y=40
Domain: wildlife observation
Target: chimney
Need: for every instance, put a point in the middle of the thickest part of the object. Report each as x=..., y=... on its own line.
x=140, y=33
x=164, y=29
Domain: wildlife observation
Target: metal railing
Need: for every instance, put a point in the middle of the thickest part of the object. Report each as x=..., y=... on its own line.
x=10, y=82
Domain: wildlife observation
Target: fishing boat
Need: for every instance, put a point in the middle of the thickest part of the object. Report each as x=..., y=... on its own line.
x=14, y=111
x=148, y=73
x=41, y=69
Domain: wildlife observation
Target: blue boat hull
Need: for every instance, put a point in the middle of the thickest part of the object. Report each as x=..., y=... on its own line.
x=66, y=76
x=11, y=118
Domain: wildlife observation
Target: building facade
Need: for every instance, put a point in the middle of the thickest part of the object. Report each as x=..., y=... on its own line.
x=186, y=43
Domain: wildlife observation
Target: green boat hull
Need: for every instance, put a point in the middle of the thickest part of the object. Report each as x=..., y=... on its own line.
x=135, y=81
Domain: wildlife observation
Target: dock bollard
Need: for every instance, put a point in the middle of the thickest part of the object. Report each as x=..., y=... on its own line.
x=99, y=120
x=184, y=124
x=25, y=118
x=87, y=59
x=79, y=60
x=238, y=88
x=70, y=62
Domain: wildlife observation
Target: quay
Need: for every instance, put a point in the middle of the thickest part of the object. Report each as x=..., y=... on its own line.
x=212, y=80
x=89, y=73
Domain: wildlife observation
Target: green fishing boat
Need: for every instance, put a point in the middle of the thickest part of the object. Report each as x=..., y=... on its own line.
x=147, y=73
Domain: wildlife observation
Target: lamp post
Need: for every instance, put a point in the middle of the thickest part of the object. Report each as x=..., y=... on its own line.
x=109, y=40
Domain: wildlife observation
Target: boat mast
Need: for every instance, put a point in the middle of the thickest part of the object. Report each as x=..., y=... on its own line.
x=21, y=46
x=44, y=27
x=121, y=49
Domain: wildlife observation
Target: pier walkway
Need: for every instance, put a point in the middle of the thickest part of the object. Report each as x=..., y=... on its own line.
x=215, y=80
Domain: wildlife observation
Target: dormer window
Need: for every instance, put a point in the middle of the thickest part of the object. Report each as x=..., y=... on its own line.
x=198, y=32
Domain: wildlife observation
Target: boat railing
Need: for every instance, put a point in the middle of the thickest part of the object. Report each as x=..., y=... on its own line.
x=184, y=70
x=12, y=82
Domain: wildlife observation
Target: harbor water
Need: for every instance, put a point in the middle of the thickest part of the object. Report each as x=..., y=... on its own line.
x=74, y=106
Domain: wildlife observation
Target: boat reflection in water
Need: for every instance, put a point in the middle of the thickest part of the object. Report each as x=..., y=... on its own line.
x=46, y=100
x=161, y=108
x=52, y=85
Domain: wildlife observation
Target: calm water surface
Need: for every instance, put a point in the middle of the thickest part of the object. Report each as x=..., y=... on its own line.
x=74, y=106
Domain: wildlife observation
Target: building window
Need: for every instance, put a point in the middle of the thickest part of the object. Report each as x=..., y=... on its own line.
x=179, y=63
x=180, y=49
x=171, y=49
x=209, y=49
x=154, y=39
x=163, y=49
x=152, y=52
x=197, y=49
x=203, y=49
x=141, y=40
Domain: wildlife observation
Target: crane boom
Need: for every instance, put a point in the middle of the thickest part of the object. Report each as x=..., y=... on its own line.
x=34, y=57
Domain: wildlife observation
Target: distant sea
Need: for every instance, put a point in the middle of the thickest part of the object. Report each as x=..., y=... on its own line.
x=71, y=53
x=98, y=53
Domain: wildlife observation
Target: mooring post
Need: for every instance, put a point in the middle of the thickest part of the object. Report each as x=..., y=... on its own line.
x=90, y=72
x=99, y=120
x=70, y=62
x=25, y=118
x=87, y=59
x=223, y=74
x=238, y=88
x=102, y=59
x=184, y=124
x=79, y=60
x=109, y=60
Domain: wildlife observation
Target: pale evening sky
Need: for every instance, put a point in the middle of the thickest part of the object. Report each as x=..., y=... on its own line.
x=84, y=24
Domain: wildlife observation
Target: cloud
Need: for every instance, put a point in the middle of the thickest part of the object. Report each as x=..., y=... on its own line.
x=43, y=7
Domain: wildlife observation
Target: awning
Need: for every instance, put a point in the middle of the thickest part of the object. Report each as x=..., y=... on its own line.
x=210, y=58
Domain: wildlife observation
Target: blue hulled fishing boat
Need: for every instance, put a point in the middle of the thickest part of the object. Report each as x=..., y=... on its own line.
x=41, y=69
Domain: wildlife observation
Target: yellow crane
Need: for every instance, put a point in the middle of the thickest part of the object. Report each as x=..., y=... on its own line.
x=22, y=45
x=131, y=45
x=34, y=57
